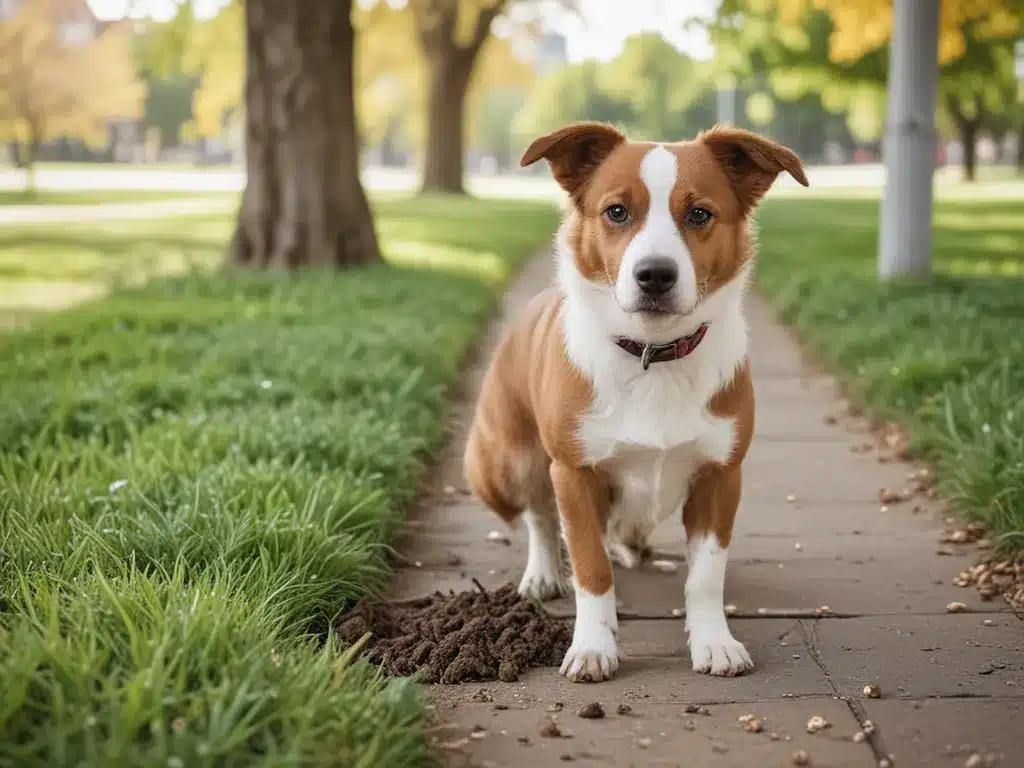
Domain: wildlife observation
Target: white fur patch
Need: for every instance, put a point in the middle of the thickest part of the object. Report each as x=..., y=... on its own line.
x=543, y=578
x=713, y=649
x=659, y=235
x=650, y=429
x=594, y=653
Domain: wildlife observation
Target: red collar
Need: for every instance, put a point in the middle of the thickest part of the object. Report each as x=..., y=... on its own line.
x=659, y=353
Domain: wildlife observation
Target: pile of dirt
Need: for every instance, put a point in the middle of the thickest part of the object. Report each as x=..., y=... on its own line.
x=458, y=638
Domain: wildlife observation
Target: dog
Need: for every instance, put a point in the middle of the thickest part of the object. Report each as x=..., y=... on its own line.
x=623, y=395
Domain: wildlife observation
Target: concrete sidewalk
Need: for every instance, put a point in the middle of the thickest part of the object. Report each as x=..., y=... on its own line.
x=59, y=213
x=832, y=590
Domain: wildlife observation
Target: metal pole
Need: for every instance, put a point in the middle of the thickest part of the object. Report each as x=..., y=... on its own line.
x=911, y=142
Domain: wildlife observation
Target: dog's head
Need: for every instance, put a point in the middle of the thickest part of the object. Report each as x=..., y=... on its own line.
x=660, y=227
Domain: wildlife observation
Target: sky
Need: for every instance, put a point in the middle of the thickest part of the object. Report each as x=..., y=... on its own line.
x=599, y=34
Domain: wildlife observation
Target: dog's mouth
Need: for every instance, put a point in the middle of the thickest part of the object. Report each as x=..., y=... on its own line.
x=655, y=307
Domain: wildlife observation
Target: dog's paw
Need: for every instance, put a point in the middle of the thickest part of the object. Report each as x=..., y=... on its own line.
x=723, y=656
x=623, y=554
x=543, y=584
x=592, y=661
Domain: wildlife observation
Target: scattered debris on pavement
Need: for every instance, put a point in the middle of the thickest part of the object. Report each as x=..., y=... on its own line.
x=592, y=711
x=817, y=723
x=873, y=691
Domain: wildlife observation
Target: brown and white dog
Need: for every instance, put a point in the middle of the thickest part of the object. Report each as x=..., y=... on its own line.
x=623, y=394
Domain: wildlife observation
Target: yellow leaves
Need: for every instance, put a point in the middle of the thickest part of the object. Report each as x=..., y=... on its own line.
x=61, y=77
x=865, y=25
x=218, y=54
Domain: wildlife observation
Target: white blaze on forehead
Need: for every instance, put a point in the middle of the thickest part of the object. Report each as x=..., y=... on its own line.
x=660, y=235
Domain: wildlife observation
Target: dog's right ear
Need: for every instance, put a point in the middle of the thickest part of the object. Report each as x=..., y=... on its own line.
x=574, y=153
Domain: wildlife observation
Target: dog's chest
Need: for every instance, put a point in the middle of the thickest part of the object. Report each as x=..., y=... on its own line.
x=651, y=436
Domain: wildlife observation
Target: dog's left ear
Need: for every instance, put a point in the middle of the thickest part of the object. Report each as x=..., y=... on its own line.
x=752, y=162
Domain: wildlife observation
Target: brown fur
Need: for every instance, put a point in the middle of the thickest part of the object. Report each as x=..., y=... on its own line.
x=522, y=445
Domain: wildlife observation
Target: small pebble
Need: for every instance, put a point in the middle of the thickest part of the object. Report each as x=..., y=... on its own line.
x=988, y=623
x=885, y=763
x=677, y=612
x=754, y=726
x=873, y=691
x=720, y=749
x=800, y=757
x=730, y=609
x=592, y=711
x=791, y=498
x=974, y=761
x=643, y=743
x=556, y=707
x=798, y=546
x=817, y=723
x=774, y=736
x=665, y=566
x=859, y=736
x=955, y=607
x=624, y=709
x=498, y=536
x=551, y=731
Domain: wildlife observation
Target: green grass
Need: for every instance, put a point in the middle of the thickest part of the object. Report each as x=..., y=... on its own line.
x=90, y=197
x=200, y=472
x=945, y=357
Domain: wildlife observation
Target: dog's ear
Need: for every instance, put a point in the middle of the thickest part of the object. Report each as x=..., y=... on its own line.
x=574, y=153
x=752, y=162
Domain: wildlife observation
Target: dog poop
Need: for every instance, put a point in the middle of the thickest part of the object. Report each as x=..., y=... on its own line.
x=472, y=636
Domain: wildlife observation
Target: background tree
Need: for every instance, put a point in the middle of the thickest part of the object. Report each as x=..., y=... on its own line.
x=61, y=80
x=304, y=202
x=841, y=51
x=657, y=83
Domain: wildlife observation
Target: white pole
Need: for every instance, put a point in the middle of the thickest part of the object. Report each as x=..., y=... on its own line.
x=911, y=142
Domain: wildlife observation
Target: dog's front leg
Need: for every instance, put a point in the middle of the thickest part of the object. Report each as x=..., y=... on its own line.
x=708, y=516
x=583, y=500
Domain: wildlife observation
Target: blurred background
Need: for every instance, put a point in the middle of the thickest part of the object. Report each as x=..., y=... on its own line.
x=159, y=85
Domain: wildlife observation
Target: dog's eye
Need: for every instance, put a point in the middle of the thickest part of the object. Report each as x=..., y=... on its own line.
x=698, y=217
x=616, y=214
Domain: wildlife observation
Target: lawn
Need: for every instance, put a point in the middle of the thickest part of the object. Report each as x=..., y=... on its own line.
x=200, y=472
x=945, y=358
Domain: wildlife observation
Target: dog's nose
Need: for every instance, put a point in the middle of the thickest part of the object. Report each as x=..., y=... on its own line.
x=655, y=275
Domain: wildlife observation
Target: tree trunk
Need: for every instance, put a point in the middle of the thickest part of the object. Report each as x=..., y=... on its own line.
x=304, y=203
x=1020, y=150
x=451, y=68
x=969, y=139
x=450, y=72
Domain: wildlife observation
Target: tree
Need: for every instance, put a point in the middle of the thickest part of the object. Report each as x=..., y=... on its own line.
x=451, y=34
x=867, y=25
x=657, y=82
x=976, y=88
x=60, y=79
x=303, y=203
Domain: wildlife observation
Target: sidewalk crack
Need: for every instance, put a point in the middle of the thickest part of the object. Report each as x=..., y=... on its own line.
x=873, y=731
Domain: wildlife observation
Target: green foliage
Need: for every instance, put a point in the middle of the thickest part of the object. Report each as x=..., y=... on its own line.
x=945, y=358
x=656, y=82
x=168, y=106
x=201, y=472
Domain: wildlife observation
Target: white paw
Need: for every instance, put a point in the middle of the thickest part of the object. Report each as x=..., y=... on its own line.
x=623, y=554
x=543, y=584
x=590, y=661
x=723, y=655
